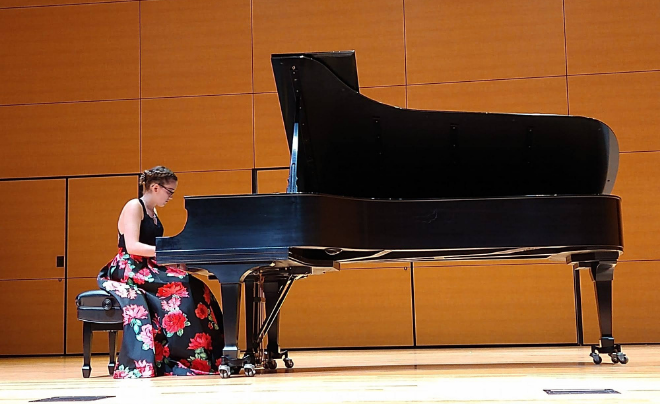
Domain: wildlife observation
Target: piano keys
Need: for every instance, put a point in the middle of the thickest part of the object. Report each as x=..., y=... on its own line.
x=373, y=182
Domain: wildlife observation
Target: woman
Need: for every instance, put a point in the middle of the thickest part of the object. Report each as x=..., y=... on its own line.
x=172, y=322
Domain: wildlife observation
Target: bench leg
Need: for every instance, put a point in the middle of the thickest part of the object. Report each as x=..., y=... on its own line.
x=87, y=349
x=112, y=338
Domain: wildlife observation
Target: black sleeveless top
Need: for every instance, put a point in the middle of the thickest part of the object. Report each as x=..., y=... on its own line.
x=148, y=229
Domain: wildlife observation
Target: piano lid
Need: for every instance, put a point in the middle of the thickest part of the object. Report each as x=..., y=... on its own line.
x=343, y=143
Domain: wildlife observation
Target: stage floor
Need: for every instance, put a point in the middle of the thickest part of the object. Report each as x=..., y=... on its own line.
x=492, y=375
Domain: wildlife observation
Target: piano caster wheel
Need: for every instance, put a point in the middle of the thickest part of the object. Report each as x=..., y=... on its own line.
x=288, y=362
x=249, y=370
x=621, y=358
x=224, y=371
x=597, y=359
x=614, y=358
x=270, y=364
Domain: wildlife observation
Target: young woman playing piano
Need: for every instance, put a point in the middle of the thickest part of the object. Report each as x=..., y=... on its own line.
x=172, y=322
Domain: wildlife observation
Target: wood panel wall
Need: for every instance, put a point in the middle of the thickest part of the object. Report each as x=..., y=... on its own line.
x=94, y=91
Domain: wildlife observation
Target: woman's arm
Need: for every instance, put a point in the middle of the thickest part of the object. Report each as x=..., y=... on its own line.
x=129, y=226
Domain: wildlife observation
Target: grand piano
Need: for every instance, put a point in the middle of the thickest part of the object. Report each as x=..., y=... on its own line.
x=377, y=183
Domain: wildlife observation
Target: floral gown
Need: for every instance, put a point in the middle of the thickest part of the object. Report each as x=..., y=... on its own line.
x=172, y=322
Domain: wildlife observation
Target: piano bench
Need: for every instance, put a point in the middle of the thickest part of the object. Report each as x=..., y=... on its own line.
x=99, y=311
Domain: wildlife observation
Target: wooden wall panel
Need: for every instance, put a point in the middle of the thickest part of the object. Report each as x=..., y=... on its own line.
x=635, y=302
x=353, y=308
x=33, y=3
x=70, y=139
x=627, y=103
x=496, y=304
x=86, y=52
x=33, y=229
x=210, y=183
x=33, y=317
x=74, y=344
x=197, y=47
x=612, y=35
x=271, y=148
x=373, y=28
x=198, y=134
x=477, y=40
x=546, y=95
x=94, y=208
x=272, y=181
x=636, y=184
x=394, y=96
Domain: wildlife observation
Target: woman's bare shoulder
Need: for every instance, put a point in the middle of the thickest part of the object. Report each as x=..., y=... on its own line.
x=132, y=207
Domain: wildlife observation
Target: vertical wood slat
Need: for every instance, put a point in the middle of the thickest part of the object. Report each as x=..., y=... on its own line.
x=640, y=205
x=494, y=304
x=33, y=317
x=33, y=228
x=612, y=35
x=94, y=208
x=373, y=28
x=70, y=53
x=70, y=139
x=493, y=39
x=627, y=102
x=545, y=95
x=349, y=308
x=195, y=48
x=634, y=302
x=198, y=133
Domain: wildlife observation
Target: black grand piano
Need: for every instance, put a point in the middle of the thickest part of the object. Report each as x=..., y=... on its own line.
x=373, y=182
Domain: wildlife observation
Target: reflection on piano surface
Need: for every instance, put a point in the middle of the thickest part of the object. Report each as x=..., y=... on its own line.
x=372, y=182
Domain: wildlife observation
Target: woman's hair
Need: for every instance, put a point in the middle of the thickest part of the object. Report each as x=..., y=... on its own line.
x=156, y=175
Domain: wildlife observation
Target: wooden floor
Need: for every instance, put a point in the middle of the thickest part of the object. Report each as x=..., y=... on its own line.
x=492, y=375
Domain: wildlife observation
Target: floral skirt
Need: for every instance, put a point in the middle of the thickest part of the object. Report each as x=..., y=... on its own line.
x=172, y=321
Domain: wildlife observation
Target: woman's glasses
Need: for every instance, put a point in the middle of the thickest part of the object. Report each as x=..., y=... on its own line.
x=170, y=192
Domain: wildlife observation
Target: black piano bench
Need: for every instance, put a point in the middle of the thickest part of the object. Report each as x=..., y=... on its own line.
x=99, y=311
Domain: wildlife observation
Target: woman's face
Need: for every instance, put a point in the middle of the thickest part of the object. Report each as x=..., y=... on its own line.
x=164, y=192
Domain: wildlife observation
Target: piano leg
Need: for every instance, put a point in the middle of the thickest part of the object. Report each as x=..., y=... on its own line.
x=602, y=274
x=231, y=300
x=252, y=317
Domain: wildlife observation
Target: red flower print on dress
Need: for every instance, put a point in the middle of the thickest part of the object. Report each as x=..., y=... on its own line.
x=207, y=295
x=173, y=288
x=147, y=337
x=145, y=368
x=184, y=363
x=172, y=304
x=201, y=340
x=120, y=374
x=158, y=351
x=133, y=311
x=174, y=271
x=142, y=276
x=174, y=322
x=201, y=311
x=201, y=365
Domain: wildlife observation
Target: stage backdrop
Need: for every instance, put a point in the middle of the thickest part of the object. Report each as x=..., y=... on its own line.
x=94, y=91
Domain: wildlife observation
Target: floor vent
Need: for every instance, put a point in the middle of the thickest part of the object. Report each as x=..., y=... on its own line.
x=69, y=399
x=581, y=391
